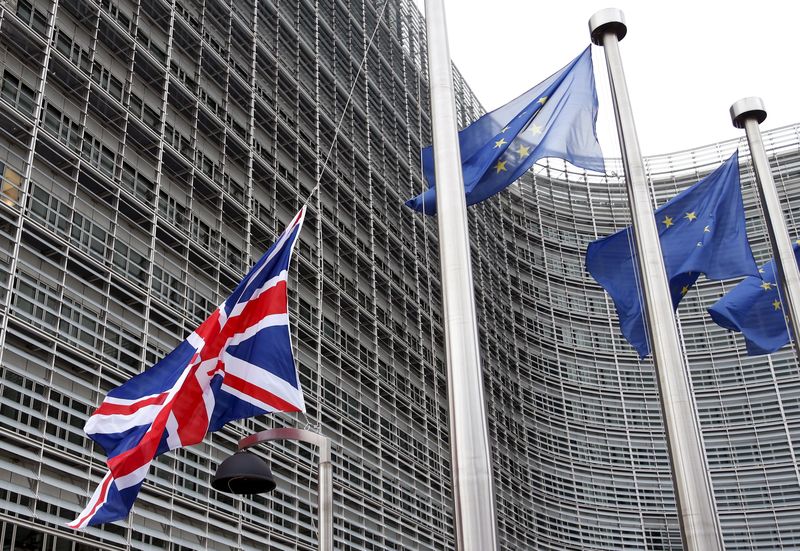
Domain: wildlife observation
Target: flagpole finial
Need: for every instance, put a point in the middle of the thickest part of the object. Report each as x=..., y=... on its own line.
x=746, y=108
x=607, y=20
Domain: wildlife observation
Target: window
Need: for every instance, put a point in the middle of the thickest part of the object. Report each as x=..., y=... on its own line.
x=107, y=81
x=184, y=77
x=32, y=16
x=18, y=402
x=130, y=262
x=157, y=51
x=99, y=155
x=136, y=183
x=236, y=126
x=112, y=9
x=123, y=345
x=172, y=210
x=199, y=305
x=201, y=232
x=234, y=188
x=17, y=93
x=167, y=287
x=10, y=185
x=88, y=236
x=78, y=323
x=62, y=127
x=50, y=211
x=178, y=141
x=209, y=167
x=36, y=301
x=73, y=51
x=147, y=114
x=232, y=255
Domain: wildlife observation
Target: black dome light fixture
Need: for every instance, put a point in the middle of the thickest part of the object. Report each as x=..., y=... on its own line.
x=243, y=473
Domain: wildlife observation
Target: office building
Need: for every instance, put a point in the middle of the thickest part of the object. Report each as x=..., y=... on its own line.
x=152, y=150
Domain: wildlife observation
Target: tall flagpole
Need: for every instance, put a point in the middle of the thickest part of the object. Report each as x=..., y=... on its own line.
x=748, y=113
x=699, y=526
x=469, y=436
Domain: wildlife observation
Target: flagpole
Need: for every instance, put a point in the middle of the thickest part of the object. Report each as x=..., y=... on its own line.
x=474, y=512
x=748, y=113
x=694, y=498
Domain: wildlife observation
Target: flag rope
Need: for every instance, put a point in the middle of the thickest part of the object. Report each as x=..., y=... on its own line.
x=790, y=215
x=320, y=172
x=637, y=276
x=760, y=207
x=347, y=104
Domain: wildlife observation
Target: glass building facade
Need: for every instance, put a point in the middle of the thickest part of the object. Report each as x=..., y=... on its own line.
x=150, y=151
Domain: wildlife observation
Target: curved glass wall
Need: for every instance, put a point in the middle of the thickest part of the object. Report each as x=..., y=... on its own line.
x=580, y=453
x=150, y=150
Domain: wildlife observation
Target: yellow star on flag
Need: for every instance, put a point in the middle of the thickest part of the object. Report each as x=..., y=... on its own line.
x=504, y=130
x=766, y=285
x=536, y=129
x=667, y=221
x=776, y=304
x=499, y=143
x=542, y=100
x=501, y=167
x=707, y=229
x=684, y=290
x=690, y=216
x=523, y=151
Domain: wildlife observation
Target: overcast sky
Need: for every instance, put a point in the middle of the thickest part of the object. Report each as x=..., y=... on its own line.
x=685, y=62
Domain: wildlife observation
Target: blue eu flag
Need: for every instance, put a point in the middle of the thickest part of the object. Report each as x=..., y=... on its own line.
x=701, y=229
x=553, y=119
x=754, y=308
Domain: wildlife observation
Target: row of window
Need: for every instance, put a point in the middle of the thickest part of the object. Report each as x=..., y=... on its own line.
x=351, y=380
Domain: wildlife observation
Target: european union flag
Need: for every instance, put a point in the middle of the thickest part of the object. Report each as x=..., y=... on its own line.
x=754, y=308
x=553, y=119
x=701, y=229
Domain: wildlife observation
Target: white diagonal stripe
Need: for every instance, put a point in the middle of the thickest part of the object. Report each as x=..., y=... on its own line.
x=128, y=402
x=132, y=478
x=173, y=439
x=269, y=284
x=273, y=320
x=82, y=519
x=260, y=377
x=119, y=422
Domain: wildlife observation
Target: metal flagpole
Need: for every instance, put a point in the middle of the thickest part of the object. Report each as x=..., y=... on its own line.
x=748, y=113
x=469, y=438
x=699, y=526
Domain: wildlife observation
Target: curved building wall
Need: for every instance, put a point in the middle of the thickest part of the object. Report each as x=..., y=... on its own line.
x=150, y=150
x=580, y=456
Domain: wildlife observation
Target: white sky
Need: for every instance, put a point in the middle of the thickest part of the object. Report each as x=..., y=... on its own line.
x=685, y=62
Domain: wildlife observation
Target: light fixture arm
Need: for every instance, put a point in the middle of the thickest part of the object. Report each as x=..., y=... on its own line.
x=325, y=489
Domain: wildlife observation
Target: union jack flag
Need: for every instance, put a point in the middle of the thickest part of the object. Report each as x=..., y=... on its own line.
x=237, y=364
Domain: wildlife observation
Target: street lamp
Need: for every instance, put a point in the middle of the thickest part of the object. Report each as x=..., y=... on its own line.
x=245, y=473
